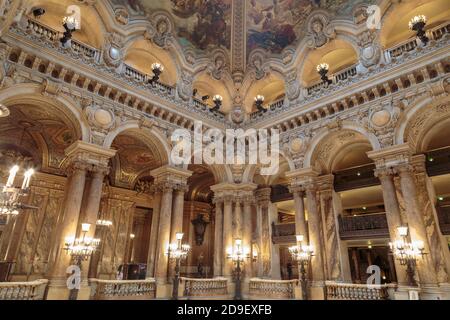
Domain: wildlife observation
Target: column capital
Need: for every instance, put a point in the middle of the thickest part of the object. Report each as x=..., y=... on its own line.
x=263, y=196
x=297, y=189
x=169, y=178
x=93, y=156
x=325, y=182
x=391, y=156
x=384, y=173
x=302, y=177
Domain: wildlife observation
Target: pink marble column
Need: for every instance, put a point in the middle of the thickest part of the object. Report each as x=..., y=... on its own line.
x=417, y=230
x=68, y=226
x=247, y=234
x=218, y=238
x=299, y=204
x=315, y=234
x=154, y=234
x=227, y=234
x=393, y=215
x=162, y=260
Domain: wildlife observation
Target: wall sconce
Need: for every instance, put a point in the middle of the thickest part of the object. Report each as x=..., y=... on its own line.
x=103, y=223
x=322, y=69
x=217, y=99
x=38, y=12
x=157, y=70
x=407, y=253
x=199, y=229
x=70, y=25
x=259, y=100
x=417, y=24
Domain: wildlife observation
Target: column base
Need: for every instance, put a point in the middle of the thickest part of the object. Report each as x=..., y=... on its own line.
x=163, y=291
x=58, y=290
x=317, y=291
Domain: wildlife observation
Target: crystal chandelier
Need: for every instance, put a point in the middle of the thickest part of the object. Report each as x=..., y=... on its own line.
x=407, y=253
x=81, y=248
x=417, y=24
x=10, y=195
x=302, y=253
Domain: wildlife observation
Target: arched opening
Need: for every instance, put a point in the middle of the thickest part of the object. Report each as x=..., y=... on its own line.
x=338, y=54
x=141, y=54
x=395, y=25
x=270, y=87
x=206, y=87
x=91, y=26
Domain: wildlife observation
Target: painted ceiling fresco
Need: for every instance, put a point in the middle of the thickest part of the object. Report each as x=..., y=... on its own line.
x=200, y=23
x=271, y=24
x=275, y=24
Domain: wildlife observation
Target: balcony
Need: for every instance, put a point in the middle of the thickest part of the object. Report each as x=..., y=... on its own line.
x=283, y=233
x=438, y=162
x=443, y=211
x=355, y=178
x=367, y=226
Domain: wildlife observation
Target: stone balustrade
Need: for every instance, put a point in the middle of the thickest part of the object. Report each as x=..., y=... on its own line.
x=206, y=288
x=349, y=291
x=122, y=289
x=317, y=95
x=272, y=289
x=33, y=290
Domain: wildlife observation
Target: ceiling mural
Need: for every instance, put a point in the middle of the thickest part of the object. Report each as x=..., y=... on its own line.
x=204, y=24
x=273, y=25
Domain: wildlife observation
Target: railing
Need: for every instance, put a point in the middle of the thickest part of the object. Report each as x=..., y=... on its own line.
x=33, y=290
x=345, y=74
x=277, y=104
x=272, y=289
x=363, y=226
x=411, y=44
x=135, y=74
x=53, y=35
x=349, y=291
x=207, y=288
x=406, y=46
x=122, y=289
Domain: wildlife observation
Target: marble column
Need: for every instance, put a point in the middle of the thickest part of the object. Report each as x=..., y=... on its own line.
x=151, y=258
x=393, y=216
x=177, y=222
x=162, y=260
x=237, y=220
x=227, y=235
x=92, y=210
x=299, y=205
x=247, y=234
x=417, y=229
x=315, y=236
x=67, y=227
x=263, y=230
x=218, y=238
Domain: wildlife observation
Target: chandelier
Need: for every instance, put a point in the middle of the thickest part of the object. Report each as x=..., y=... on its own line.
x=302, y=253
x=177, y=252
x=10, y=195
x=81, y=248
x=417, y=24
x=407, y=253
